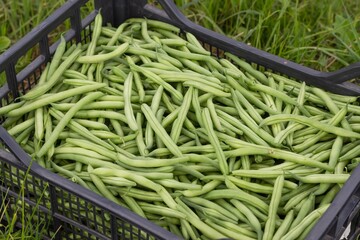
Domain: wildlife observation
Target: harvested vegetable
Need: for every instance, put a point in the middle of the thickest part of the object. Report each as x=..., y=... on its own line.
x=205, y=147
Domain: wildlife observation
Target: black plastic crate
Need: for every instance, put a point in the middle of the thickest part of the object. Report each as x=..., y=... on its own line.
x=75, y=212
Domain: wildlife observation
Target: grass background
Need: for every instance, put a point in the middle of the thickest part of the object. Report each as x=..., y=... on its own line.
x=322, y=34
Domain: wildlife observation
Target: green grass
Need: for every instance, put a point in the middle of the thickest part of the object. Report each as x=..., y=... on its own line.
x=322, y=34
x=11, y=214
x=19, y=17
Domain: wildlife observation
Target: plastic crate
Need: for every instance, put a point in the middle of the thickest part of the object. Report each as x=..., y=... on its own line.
x=80, y=213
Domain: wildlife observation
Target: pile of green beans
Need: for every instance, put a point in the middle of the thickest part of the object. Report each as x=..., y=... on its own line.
x=205, y=147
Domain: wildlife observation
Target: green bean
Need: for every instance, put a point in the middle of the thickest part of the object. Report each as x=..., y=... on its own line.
x=305, y=209
x=333, y=159
x=234, y=227
x=237, y=194
x=53, y=98
x=297, y=85
x=249, y=95
x=159, y=117
x=193, y=219
x=271, y=174
x=291, y=203
x=156, y=79
x=323, y=178
x=170, y=118
x=161, y=210
x=178, y=123
x=183, y=77
x=310, y=122
x=69, y=174
x=102, y=171
x=279, y=154
x=81, y=151
x=245, y=129
x=127, y=103
x=254, y=187
x=95, y=35
x=307, y=230
x=207, y=88
x=230, y=128
x=149, y=137
x=92, y=124
x=139, y=194
x=178, y=185
x=350, y=154
x=104, y=57
x=302, y=188
x=291, y=128
x=181, y=54
x=228, y=232
x=72, y=74
x=118, y=181
x=105, y=134
x=54, y=78
x=296, y=231
x=101, y=113
x=285, y=225
x=247, y=67
x=144, y=32
x=80, y=130
x=139, y=87
x=65, y=120
x=150, y=162
x=102, y=187
x=215, y=119
x=5, y=109
x=154, y=55
x=159, y=130
x=210, y=205
x=60, y=50
x=330, y=195
x=274, y=204
x=287, y=184
x=192, y=39
x=268, y=99
x=189, y=170
x=173, y=42
x=133, y=205
x=278, y=94
x=156, y=24
x=253, y=221
x=159, y=152
x=196, y=106
x=205, y=189
x=21, y=127
x=331, y=106
x=338, y=117
x=159, y=67
x=250, y=122
x=206, y=119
